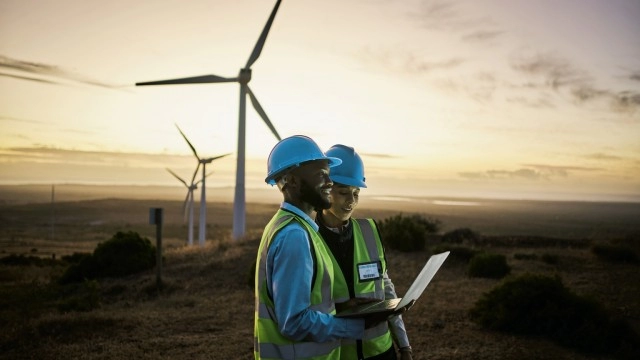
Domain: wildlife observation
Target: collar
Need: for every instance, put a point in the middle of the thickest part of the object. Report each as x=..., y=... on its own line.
x=338, y=230
x=292, y=208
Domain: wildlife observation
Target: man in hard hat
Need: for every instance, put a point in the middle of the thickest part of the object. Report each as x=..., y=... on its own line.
x=294, y=273
x=354, y=245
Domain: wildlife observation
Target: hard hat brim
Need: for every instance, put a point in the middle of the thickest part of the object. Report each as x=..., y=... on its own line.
x=347, y=181
x=271, y=178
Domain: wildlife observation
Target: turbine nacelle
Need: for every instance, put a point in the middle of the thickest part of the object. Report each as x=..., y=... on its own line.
x=244, y=76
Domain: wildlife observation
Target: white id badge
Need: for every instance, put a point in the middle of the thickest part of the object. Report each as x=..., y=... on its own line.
x=369, y=271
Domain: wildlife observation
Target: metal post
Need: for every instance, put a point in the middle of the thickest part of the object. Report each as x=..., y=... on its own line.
x=155, y=217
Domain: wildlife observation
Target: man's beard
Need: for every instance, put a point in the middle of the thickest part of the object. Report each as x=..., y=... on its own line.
x=313, y=197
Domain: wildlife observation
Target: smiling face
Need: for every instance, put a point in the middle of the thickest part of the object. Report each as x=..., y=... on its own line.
x=313, y=185
x=344, y=200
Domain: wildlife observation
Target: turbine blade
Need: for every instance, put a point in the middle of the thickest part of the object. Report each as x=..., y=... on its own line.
x=205, y=79
x=193, y=178
x=263, y=115
x=207, y=175
x=178, y=177
x=191, y=146
x=209, y=160
x=263, y=37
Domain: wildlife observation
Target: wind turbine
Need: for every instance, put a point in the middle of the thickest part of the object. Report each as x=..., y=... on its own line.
x=187, y=206
x=203, y=202
x=243, y=79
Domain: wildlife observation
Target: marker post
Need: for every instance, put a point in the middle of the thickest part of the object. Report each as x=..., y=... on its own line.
x=155, y=218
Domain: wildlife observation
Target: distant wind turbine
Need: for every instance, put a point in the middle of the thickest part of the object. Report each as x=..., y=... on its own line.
x=203, y=197
x=187, y=206
x=243, y=79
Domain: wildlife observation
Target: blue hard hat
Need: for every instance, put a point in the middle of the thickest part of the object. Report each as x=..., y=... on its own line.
x=351, y=171
x=293, y=151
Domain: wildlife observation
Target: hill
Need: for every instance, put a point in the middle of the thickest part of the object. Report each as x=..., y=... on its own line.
x=205, y=309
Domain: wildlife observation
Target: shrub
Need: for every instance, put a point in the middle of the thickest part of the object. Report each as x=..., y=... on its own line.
x=539, y=305
x=16, y=260
x=520, y=256
x=458, y=236
x=124, y=254
x=81, y=297
x=549, y=259
x=457, y=253
x=21, y=260
x=407, y=233
x=485, y=265
x=615, y=254
x=75, y=258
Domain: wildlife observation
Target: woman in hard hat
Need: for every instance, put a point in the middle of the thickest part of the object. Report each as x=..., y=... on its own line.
x=294, y=273
x=354, y=245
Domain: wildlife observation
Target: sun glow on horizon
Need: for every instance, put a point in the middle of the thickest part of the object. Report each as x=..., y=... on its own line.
x=510, y=99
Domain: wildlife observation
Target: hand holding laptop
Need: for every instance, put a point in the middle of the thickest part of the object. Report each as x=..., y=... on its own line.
x=354, y=302
x=391, y=306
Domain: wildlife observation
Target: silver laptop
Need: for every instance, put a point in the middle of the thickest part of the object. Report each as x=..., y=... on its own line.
x=415, y=290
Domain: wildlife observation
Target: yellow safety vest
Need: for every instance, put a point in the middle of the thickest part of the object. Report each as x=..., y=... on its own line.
x=269, y=343
x=367, y=249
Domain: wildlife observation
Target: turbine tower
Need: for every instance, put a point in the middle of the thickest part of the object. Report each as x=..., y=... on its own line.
x=243, y=79
x=203, y=197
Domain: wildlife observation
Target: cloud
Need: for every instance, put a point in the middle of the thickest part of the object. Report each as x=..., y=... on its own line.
x=540, y=102
x=479, y=87
x=635, y=76
x=482, y=36
x=44, y=154
x=408, y=62
x=379, y=156
x=523, y=173
x=9, y=118
x=414, y=65
x=562, y=77
x=555, y=170
x=602, y=156
x=446, y=15
x=41, y=69
x=557, y=73
x=528, y=172
x=625, y=101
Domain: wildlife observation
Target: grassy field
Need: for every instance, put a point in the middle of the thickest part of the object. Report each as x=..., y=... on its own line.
x=205, y=310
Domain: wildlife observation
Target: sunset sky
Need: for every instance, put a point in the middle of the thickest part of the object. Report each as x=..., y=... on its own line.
x=510, y=99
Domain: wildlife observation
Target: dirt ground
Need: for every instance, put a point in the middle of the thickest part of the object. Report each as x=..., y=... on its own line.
x=205, y=310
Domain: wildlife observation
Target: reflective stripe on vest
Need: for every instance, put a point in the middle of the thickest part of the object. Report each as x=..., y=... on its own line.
x=269, y=343
x=367, y=247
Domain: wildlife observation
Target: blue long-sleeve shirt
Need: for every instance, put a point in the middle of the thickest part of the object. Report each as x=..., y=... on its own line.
x=289, y=274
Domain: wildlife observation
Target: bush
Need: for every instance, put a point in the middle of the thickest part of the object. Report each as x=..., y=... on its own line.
x=124, y=254
x=457, y=253
x=549, y=259
x=75, y=258
x=615, y=254
x=21, y=260
x=407, y=233
x=484, y=265
x=80, y=297
x=458, y=236
x=521, y=256
x=539, y=305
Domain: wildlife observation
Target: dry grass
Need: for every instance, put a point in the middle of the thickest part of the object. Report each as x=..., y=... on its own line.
x=205, y=309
